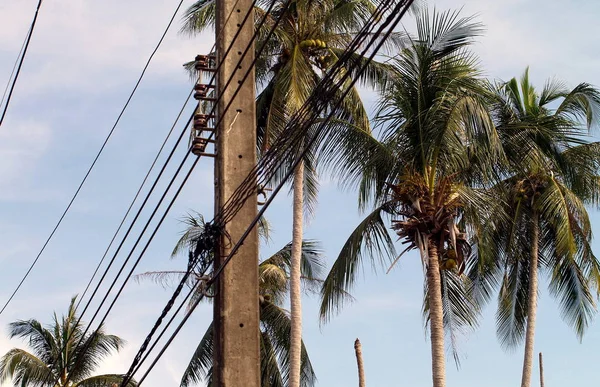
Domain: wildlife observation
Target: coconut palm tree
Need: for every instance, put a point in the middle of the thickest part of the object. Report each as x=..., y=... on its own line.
x=308, y=41
x=275, y=323
x=62, y=356
x=438, y=148
x=553, y=173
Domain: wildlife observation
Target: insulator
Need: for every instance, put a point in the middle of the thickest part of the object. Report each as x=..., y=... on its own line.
x=199, y=145
x=201, y=122
x=203, y=62
x=201, y=92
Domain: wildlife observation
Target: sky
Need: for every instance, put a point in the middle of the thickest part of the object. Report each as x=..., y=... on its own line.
x=82, y=63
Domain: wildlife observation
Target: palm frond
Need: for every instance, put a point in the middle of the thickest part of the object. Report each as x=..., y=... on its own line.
x=199, y=368
x=461, y=311
x=24, y=369
x=370, y=239
x=199, y=17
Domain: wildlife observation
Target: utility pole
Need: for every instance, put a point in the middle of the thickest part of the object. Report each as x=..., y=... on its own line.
x=236, y=313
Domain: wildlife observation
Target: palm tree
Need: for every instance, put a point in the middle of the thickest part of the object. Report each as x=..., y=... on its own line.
x=438, y=147
x=310, y=38
x=546, y=188
x=275, y=322
x=62, y=356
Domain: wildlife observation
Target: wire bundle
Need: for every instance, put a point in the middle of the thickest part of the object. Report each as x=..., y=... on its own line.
x=285, y=146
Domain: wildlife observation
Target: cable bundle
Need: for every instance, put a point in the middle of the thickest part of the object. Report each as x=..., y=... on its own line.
x=284, y=147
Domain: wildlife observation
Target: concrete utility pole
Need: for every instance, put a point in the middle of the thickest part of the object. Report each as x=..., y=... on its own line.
x=236, y=313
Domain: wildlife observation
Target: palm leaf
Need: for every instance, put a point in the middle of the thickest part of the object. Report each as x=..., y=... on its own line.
x=24, y=369
x=370, y=239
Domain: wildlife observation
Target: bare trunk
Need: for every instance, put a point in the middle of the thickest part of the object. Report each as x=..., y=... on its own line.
x=295, y=289
x=532, y=305
x=359, y=363
x=541, y=371
x=436, y=318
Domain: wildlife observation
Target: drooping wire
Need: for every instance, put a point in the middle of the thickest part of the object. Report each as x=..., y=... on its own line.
x=178, y=191
x=294, y=133
x=142, y=185
x=110, y=133
x=22, y=54
x=171, y=183
x=160, y=201
x=393, y=19
x=232, y=251
x=137, y=194
x=12, y=73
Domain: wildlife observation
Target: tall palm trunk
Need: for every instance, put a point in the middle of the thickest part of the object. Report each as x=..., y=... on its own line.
x=295, y=290
x=359, y=363
x=532, y=305
x=541, y=371
x=436, y=317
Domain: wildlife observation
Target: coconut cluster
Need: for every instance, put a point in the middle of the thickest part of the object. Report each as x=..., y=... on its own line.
x=313, y=47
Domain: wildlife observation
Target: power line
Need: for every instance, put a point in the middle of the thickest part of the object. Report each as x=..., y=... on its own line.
x=187, y=176
x=134, y=199
x=394, y=20
x=172, y=181
x=162, y=198
x=141, y=186
x=22, y=54
x=151, y=190
x=97, y=155
x=12, y=73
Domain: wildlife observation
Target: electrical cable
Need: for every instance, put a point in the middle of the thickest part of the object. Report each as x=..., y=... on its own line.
x=22, y=58
x=12, y=73
x=160, y=201
x=179, y=190
x=261, y=212
x=141, y=186
x=134, y=199
x=96, y=157
x=161, y=222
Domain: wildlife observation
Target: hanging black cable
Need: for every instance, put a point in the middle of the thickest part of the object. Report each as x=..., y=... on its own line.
x=137, y=194
x=141, y=186
x=180, y=188
x=22, y=54
x=12, y=73
x=402, y=9
x=95, y=158
x=170, y=184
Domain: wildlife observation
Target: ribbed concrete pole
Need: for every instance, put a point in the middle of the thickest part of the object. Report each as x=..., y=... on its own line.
x=236, y=314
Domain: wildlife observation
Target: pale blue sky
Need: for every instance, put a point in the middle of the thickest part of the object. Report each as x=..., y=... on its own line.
x=82, y=63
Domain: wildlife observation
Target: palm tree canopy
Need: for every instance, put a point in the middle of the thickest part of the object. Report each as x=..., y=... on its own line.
x=309, y=40
x=551, y=175
x=438, y=146
x=60, y=354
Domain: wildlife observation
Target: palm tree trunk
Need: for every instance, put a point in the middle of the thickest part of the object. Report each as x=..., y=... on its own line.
x=436, y=317
x=295, y=290
x=532, y=304
x=359, y=363
x=541, y=371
